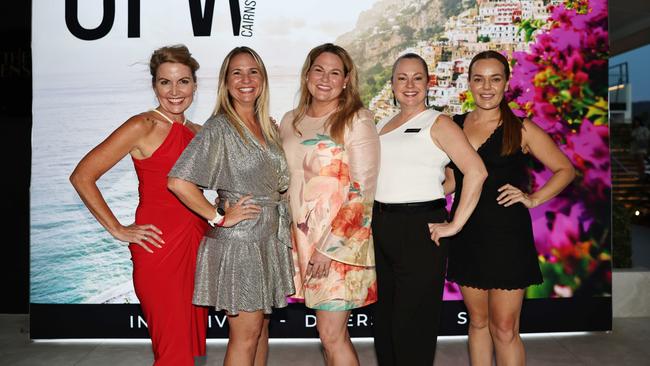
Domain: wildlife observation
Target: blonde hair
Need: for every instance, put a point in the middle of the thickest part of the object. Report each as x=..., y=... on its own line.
x=349, y=99
x=224, y=100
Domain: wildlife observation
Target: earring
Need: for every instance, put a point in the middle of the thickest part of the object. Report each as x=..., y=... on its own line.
x=344, y=86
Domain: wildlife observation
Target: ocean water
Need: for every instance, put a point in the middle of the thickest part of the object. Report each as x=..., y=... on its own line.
x=73, y=259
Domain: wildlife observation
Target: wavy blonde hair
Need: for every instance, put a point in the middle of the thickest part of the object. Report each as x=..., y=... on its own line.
x=349, y=101
x=226, y=107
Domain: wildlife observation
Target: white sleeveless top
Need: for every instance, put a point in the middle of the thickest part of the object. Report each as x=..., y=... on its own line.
x=412, y=167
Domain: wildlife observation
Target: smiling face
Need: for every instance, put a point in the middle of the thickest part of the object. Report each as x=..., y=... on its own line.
x=409, y=83
x=174, y=88
x=488, y=83
x=326, y=78
x=244, y=80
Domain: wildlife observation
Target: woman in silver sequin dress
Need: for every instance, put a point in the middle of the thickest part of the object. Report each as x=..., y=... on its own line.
x=244, y=264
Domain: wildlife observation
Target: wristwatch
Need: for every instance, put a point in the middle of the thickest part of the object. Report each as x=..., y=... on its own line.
x=219, y=218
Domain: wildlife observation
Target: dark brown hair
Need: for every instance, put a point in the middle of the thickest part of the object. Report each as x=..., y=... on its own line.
x=349, y=101
x=512, y=124
x=177, y=54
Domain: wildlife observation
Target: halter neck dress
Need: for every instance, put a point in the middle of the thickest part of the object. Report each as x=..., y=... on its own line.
x=164, y=279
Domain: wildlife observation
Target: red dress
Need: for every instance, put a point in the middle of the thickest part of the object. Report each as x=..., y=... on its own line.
x=164, y=280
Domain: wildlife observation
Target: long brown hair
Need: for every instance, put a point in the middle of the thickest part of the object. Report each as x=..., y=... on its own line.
x=349, y=100
x=224, y=102
x=512, y=124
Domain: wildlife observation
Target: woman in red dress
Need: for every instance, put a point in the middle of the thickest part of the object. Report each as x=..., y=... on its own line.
x=165, y=236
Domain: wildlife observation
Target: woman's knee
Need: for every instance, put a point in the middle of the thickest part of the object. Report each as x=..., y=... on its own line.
x=478, y=318
x=478, y=323
x=248, y=334
x=504, y=330
x=331, y=334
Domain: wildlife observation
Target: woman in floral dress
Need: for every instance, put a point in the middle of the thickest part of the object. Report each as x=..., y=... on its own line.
x=332, y=151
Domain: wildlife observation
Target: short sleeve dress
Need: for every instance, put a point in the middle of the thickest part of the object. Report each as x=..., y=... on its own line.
x=495, y=249
x=331, y=195
x=247, y=267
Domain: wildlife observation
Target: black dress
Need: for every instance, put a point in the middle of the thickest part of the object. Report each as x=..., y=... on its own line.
x=495, y=249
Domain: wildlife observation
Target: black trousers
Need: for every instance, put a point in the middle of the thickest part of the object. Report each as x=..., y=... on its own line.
x=410, y=280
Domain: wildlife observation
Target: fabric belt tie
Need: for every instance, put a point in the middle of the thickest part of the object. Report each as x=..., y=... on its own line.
x=282, y=205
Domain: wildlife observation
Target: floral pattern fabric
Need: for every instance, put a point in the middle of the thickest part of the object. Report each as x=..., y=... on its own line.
x=331, y=193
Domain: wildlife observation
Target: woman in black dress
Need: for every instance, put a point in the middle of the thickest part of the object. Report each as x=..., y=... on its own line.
x=493, y=258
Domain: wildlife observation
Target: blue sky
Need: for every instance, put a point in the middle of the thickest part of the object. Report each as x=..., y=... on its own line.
x=639, y=72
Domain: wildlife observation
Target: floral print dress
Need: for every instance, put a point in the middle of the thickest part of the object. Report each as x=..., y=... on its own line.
x=331, y=193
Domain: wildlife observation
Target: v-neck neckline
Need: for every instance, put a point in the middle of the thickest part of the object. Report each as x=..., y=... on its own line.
x=494, y=131
x=251, y=136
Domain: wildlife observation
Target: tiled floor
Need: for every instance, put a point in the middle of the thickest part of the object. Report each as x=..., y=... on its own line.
x=627, y=344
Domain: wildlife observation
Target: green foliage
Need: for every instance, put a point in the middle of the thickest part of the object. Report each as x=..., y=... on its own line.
x=429, y=32
x=451, y=8
x=377, y=77
x=529, y=26
x=406, y=32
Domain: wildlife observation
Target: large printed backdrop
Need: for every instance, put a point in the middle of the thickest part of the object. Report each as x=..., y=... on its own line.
x=91, y=74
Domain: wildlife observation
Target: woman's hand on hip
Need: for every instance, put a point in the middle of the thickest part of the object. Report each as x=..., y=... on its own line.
x=319, y=265
x=511, y=195
x=143, y=235
x=240, y=211
x=442, y=230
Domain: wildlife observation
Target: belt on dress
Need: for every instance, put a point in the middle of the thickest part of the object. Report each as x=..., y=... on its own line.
x=282, y=205
x=410, y=206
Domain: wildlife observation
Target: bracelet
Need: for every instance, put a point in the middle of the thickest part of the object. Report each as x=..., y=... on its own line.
x=219, y=218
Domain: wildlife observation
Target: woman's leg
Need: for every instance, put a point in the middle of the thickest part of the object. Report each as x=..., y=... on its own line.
x=244, y=335
x=480, y=341
x=504, y=311
x=262, y=353
x=333, y=331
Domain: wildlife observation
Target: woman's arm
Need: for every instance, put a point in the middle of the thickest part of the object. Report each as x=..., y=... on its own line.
x=451, y=139
x=97, y=162
x=190, y=194
x=543, y=148
x=449, y=185
x=200, y=166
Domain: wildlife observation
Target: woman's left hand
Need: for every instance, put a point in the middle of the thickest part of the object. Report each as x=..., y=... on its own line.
x=442, y=230
x=511, y=195
x=319, y=265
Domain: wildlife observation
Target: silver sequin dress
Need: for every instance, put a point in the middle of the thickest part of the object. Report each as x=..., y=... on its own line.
x=247, y=267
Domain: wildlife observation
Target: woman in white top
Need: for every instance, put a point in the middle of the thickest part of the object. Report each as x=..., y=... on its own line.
x=409, y=216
